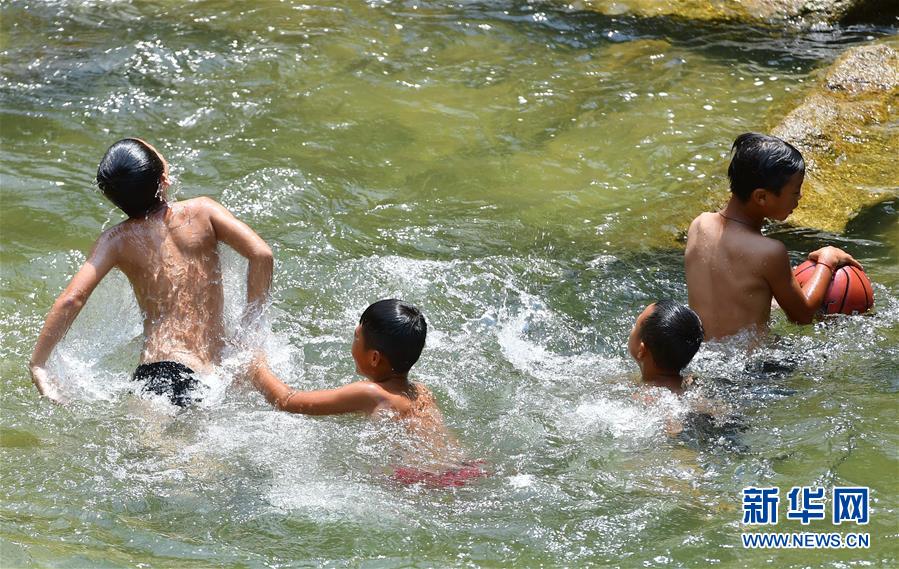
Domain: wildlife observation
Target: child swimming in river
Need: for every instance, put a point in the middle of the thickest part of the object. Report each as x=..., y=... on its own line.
x=169, y=252
x=664, y=339
x=387, y=342
x=732, y=269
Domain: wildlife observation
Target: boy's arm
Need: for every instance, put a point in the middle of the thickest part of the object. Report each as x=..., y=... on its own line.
x=238, y=235
x=355, y=397
x=66, y=308
x=800, y=304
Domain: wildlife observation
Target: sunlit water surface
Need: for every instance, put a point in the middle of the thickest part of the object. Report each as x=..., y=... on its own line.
x=522, y=173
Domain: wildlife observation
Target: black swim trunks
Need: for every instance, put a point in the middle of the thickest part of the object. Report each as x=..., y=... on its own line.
x=171, y=379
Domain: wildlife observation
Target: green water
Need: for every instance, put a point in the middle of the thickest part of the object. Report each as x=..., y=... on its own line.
x=519, y=171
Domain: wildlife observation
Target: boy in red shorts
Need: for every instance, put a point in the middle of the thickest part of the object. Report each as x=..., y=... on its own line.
x=387, y=342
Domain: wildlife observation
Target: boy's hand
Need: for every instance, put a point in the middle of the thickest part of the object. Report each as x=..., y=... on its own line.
x=834, y=257
x=46, y=385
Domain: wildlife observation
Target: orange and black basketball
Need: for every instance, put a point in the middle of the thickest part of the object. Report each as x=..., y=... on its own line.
x=849, y=292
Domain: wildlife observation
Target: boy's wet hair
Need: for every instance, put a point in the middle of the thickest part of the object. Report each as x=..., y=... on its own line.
x=672, y=333
x=130, y=176
x=397, y=330
x=761, y=161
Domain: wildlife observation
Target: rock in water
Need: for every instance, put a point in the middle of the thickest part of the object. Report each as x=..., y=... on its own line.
x=800, y=12
x=846, y=129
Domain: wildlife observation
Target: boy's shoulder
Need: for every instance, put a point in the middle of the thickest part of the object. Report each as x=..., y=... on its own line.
x=415, y=394
x=758, y=242
x=422, y=392
x=701, y=222
x=366, y=389
x=112, y=235
x=372, y=395
x=703, y=218
x=206, y=206
x=765, y=248
x=204, y=203
x=202, y=206
x=760, y=253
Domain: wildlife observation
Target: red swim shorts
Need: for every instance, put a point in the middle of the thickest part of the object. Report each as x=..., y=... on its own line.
x=451, y=478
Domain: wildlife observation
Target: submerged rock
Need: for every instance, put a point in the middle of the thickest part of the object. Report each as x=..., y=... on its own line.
x=800, y=11
x=847, y=129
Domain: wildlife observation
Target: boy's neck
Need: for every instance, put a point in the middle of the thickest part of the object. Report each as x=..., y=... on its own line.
x=743, y=213
x=670, y=380
x=391, y=378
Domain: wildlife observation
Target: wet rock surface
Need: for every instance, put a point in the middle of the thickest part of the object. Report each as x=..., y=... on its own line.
x=803, y=12
x=847, y=128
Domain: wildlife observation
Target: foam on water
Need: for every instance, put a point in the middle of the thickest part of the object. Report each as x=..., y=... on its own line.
x=620, y=419
x=560, y=422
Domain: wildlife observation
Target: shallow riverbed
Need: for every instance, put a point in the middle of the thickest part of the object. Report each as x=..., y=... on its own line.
x=519, y=171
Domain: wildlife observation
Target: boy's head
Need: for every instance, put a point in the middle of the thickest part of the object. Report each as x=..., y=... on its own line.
x=389, y=338
x=133, y=176
x=669, y=333
x=761, y=169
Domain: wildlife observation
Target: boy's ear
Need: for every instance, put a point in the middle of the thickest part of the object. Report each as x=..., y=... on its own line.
x=641, y=352
x=375, y=358
x=759, y=196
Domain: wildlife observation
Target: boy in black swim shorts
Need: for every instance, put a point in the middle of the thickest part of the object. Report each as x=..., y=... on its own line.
x=170, y=253
x=169, y=379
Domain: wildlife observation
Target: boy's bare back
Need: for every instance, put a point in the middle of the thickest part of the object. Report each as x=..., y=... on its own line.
x=169, y=252
x=172, y=262
x=171, y=259
x=415, y=405
x=726, y=265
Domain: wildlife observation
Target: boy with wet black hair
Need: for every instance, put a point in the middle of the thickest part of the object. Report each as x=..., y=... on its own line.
x=664, y=339
x=169, y=252
x=733, y=271
x=387, y=342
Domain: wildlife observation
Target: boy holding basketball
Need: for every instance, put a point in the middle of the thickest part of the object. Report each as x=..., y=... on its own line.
x=732, y=269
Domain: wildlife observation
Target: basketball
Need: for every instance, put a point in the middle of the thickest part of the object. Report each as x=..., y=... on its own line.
x=849, y=292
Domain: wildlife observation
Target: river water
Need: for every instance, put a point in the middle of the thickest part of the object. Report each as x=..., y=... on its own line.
x=523, y=172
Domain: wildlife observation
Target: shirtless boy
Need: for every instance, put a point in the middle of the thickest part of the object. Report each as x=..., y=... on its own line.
x=664, y=339
x=732, y=269
x=387, y=342
x=169, y=252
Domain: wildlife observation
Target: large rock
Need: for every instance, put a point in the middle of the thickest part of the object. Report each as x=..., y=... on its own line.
x=798, y=11
x=847, y=129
